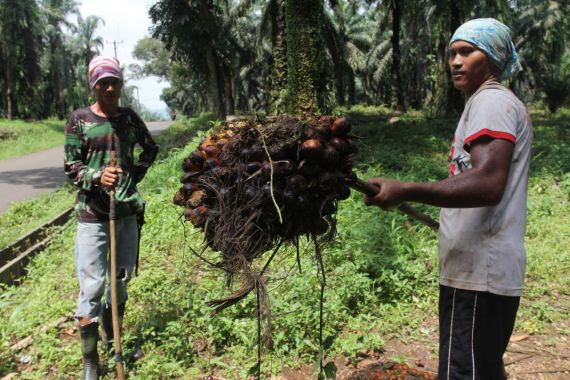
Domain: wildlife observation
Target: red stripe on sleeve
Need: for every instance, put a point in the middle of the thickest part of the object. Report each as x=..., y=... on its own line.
x=490, y=133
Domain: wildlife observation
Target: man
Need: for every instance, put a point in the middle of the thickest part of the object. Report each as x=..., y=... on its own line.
x=91, y=134
x=482, y=223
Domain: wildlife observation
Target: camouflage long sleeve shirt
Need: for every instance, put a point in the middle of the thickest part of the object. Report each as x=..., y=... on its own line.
x=89, y=140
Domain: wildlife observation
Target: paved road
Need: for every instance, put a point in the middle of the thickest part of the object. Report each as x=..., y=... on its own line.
x=28, y=176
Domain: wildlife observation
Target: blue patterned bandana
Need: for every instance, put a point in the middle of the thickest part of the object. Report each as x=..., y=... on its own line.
x=494, y=39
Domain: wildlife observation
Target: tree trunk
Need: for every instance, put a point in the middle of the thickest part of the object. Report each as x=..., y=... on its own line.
x=351, y=89
x=216, y=96
x=338, y=57
x=305, y=80
x=278, y=81
x=398, y=102
x=8, y=84
x=454, y=101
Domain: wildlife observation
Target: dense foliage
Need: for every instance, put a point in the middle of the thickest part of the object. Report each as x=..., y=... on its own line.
x=45, y=49
x=270, y=56
x=381, y=272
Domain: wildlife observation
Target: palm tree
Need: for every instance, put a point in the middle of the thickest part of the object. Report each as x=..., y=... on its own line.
x=56, y=13
x=543, y=44
x=197, y=33
x=305, y=55
x=20, y=51
x=89, y=44
x=82, y=45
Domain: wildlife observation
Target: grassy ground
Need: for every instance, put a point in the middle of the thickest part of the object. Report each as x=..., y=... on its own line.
x=381, y=272
x=18, y=138
x=23, y=217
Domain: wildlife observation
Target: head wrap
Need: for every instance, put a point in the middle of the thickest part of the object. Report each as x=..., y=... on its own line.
x=494, y=39
x=102, y=67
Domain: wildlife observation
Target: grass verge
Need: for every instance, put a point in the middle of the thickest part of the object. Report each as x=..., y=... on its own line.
x=23, y=217
x=18, y=137
x=381, y=272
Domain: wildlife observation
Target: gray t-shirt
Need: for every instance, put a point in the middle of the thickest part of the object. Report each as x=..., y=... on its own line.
x=482, y=248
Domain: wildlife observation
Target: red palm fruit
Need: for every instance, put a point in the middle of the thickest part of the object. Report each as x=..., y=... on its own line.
x=311, y=149
x=339, y=144
x=179, y=199
x=310, y=170
x=211, y=163
x=198, y=216
x=331, y=158
x=197, y=198
x=328, y=182
x=221, y=143
x=297, y=183
x=197, y=158
x=212, y=151
x=189, y=166
x=323, y=131
x=341, y=126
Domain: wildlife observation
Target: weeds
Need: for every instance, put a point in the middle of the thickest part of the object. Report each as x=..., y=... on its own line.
x=381, y=271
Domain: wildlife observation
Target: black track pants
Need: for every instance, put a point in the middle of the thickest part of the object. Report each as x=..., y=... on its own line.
x=474, y=331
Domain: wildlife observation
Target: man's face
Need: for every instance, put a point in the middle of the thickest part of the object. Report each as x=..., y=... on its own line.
x=108, y=91
x=469, y=66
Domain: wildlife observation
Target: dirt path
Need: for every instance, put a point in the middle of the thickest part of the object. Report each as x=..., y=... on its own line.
x=528, y=357
x=29, y=176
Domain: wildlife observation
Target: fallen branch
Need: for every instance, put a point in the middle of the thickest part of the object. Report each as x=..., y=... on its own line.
x=510, y=362
x=562, y=370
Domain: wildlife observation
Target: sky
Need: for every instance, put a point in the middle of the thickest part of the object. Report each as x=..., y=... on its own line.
x=126, y=22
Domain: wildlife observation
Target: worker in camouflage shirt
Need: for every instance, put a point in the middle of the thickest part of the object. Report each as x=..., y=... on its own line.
x=91, y=134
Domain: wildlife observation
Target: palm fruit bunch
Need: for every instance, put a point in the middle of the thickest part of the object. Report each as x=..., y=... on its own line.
x=251, y=185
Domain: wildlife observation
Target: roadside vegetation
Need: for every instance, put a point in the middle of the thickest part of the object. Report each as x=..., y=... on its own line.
x=23, y=217
x=18, y=137
x=381, y=271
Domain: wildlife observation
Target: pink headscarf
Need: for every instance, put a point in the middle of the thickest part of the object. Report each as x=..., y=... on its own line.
x=103, y=66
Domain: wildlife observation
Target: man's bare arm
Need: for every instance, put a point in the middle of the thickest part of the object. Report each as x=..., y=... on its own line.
x=482, y=185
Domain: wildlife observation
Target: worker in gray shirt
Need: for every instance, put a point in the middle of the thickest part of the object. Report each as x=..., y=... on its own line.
x=483, y=216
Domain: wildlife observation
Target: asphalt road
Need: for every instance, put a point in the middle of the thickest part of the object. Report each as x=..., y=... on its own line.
x=28, y=176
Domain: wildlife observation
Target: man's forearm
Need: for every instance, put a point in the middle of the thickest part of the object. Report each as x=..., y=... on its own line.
x=469, y=189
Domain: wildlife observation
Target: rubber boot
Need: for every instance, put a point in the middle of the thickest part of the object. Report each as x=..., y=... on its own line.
x=107, y=325
x=89, y=336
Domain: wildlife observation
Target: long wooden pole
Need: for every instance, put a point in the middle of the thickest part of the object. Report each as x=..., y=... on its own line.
x=113, y=259
x=371, y=190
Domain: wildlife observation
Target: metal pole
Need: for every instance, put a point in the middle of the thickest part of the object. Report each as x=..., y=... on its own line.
x=113, y=260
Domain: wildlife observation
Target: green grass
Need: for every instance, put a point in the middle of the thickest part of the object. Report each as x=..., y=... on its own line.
x=381, y=271
x=23, y=217
x=18, y=137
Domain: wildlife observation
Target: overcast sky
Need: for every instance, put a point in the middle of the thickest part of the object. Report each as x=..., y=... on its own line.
x=126, y=21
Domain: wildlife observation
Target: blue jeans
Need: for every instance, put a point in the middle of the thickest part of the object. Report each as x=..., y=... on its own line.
x=91, y=256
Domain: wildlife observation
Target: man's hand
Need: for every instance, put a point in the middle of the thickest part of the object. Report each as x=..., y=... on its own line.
x=110, y=176
x=390, y=195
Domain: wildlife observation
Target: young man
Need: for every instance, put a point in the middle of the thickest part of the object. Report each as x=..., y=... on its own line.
x=91, y=134
x=481, y=238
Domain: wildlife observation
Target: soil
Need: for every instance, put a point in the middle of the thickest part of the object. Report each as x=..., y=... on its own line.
x=528, y=357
